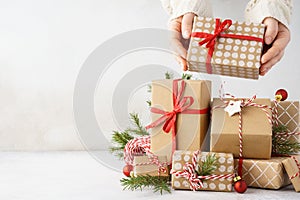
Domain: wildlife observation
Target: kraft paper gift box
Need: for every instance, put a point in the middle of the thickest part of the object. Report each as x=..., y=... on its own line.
x=288, y=115
x=256, y=131
x=268, y=174
x=292, y=167
x=142, y=165
x=190, y=129
x=236, y=52
x=224, y=166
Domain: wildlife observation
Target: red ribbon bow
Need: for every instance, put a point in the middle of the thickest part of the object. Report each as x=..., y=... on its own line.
x=210, y=39
x=180, y=105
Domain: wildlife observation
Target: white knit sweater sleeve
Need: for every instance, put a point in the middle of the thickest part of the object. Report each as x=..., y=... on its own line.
x=177, y=8
x=258, y=10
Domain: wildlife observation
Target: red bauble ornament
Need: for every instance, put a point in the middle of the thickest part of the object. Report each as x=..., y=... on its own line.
x=281, y=95
x=127, y=169
x=240, y=185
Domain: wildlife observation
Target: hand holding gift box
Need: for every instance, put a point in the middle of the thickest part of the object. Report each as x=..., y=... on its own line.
x=225, y=47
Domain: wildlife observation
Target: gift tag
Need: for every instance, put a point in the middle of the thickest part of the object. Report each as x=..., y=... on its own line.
x=233, y=107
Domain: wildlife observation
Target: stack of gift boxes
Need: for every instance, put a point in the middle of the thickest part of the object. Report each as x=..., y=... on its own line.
x=239, y=129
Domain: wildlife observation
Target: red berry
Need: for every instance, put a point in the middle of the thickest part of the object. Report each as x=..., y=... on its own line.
x=283, y=93
x=127, y=169
x=240, y=185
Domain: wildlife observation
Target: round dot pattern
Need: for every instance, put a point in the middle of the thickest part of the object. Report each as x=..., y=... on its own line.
x=233, y=53
x=224, y=166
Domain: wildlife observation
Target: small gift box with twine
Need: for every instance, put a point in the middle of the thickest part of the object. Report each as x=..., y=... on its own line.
x=150, y=165
x=202, y=171
x=226, y=47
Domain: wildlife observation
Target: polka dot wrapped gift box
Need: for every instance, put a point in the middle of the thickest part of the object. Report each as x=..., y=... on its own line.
x=190, y=173
x=226, y=47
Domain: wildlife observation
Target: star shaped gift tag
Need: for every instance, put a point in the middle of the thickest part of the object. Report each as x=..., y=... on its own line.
x=233, y=107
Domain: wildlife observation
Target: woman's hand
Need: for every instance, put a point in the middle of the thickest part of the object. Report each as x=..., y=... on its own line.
x=182, y=28
x=277, y=36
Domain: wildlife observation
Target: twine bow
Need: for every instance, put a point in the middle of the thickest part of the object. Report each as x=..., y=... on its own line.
x=298, y=165
x=210, y=39
x=181, y=104
x=189, y=172
x=244, y=103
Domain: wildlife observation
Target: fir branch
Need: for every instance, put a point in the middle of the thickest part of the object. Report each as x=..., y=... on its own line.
x=120, y=139
x=149, y=88
x=169, y=75
x=208, y=166
x=149, y=103
x=186, y=76
x=281, y=144
x=156, y=183
x=138, y=128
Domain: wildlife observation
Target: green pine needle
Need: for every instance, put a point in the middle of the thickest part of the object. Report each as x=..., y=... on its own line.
x=149, y=103
x=208, y=166
x=282, y=144
x=121, y=138
x=138, y=128
x=169, y=75
x=156, y=183
x=186, y=76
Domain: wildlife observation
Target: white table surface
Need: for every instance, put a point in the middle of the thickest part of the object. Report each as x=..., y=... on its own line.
x=79, y=176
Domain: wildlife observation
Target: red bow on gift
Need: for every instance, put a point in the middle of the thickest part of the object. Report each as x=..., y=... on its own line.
x=180, y=105
x=210, y=39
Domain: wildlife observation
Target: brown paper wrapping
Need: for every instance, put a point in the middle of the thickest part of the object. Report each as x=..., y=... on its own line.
x=149, y=169
x=291, y=169
x=257, y=131
x=268, y=174
x=225, y=166
x=288, y=115
x=191, y=128
x=231, y=57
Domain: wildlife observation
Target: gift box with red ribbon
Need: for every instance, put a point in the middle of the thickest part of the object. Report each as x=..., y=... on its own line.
x=226, y=47
x=180, y=115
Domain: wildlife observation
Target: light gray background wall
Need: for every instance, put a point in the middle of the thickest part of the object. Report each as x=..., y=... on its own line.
x=43, y=44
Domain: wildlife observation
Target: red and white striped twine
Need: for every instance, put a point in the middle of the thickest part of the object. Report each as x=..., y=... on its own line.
x=153, y=160
x=136, y=147
x=140, y=146
x=298, y=165
x=244, y=103
x=189, y=173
